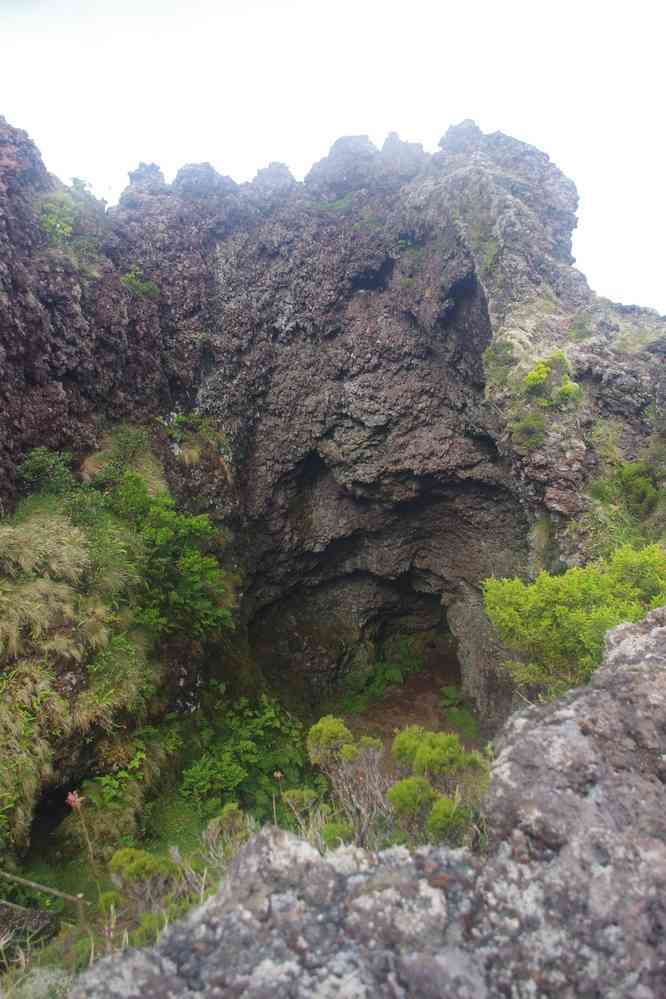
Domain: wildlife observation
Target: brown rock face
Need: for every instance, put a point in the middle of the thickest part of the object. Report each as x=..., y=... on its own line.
x=336, y=330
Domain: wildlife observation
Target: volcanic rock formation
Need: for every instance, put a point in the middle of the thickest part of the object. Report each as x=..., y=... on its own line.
x=571, y=901
x=358, y=338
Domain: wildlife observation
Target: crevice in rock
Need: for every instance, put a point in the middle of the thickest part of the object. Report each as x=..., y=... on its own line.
x=374, y=278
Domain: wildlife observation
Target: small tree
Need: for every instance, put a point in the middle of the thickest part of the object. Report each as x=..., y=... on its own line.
x=355, y=772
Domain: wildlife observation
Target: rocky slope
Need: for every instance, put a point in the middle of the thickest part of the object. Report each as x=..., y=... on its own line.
x=360, y=340
x=571, y=900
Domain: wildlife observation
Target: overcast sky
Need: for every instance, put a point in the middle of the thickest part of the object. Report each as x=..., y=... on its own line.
x=103, y=84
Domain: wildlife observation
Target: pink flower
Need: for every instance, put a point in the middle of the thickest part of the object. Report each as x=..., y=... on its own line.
x=74, y=800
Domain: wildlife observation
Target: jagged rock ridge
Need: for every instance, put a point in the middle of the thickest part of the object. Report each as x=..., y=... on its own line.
x=570, y=902
x=336, y=330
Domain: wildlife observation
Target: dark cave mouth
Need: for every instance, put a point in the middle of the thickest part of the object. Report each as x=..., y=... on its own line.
x=316, y=643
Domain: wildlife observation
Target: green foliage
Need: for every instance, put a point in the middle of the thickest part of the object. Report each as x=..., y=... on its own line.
x=362, y=687
x=568, y=391
x=326, y=739
x=185, y=589
x=546, y=385
x=626, y=506
x=243, y=749
x=74, y=222
x=335, y=833
x=451, y=697
x=131, y=865
x=463, y=719
x=448, y=821
x=452, y=702
x=580, y=328
x=430, y=753
x=151, y=925
x=138, y=285
x=59, y=216
x=498, y=360
x=341, y=206
x=80, y=567
x=557, y=623
x=633, y=484
x=528, y=431
x=47, y=471
x=410, y=797
x=536, y=380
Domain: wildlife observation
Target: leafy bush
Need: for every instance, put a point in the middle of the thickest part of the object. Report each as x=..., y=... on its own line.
x=451, y=697
x=557, y=623
x=143, y=878
x=430, y=753
x=358, y=780
x=633, y=484
x=243, y=750
x=498, y=360
x=138, y=285
x=528, y=431
x=335, y=833
x=364, y=687
x=59, y=216
x=536, y=380
x=47, y=471
x=326, y=739
x=185, y=589
x=410, y=800
x=448, y=821
x=464, y=720
x=568, y=391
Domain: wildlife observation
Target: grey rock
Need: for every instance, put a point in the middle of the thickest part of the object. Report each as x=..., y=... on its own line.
x=570, y=901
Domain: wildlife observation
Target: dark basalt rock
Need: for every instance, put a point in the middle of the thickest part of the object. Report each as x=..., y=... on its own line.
x=570, y=902
x=336, y=331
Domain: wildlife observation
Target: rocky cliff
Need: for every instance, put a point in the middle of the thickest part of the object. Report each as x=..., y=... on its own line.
x=360, y=340
x=570, y=902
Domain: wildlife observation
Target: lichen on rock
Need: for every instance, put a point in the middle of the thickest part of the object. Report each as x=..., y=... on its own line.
x=571, y=899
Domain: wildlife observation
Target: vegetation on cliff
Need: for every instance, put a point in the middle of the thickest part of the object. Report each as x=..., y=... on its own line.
x=556, y=624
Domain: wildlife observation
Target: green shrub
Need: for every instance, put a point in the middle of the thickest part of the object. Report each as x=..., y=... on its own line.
x=245, y=747
x=498, y=360
x=451, y=697
x=410, y=797
x=637, y=483
x=357, y=775
x=364, y=687
x=138, y=865
x=568, y=391
x=528, y=431
x=185, y=589
x=557, y=624
x=47, y=471
x=151, y=925
x=448, y=821
x=334, y=833
x=536, y=380
x=430, y=753
x=138, y=285
x=59, y=216
x=108, y=900
x=326, y=739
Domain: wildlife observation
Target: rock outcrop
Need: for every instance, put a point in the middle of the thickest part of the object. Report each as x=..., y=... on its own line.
x=358, y=338
x=570, y=902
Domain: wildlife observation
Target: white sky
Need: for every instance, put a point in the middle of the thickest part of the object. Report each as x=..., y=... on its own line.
x=103, y=84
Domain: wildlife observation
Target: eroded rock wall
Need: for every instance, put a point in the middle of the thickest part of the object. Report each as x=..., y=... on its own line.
x=570, y=902
x=338, y=332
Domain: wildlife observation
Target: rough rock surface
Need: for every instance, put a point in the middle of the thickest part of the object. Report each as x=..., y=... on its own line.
x=338, y=331
x=571, y=901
